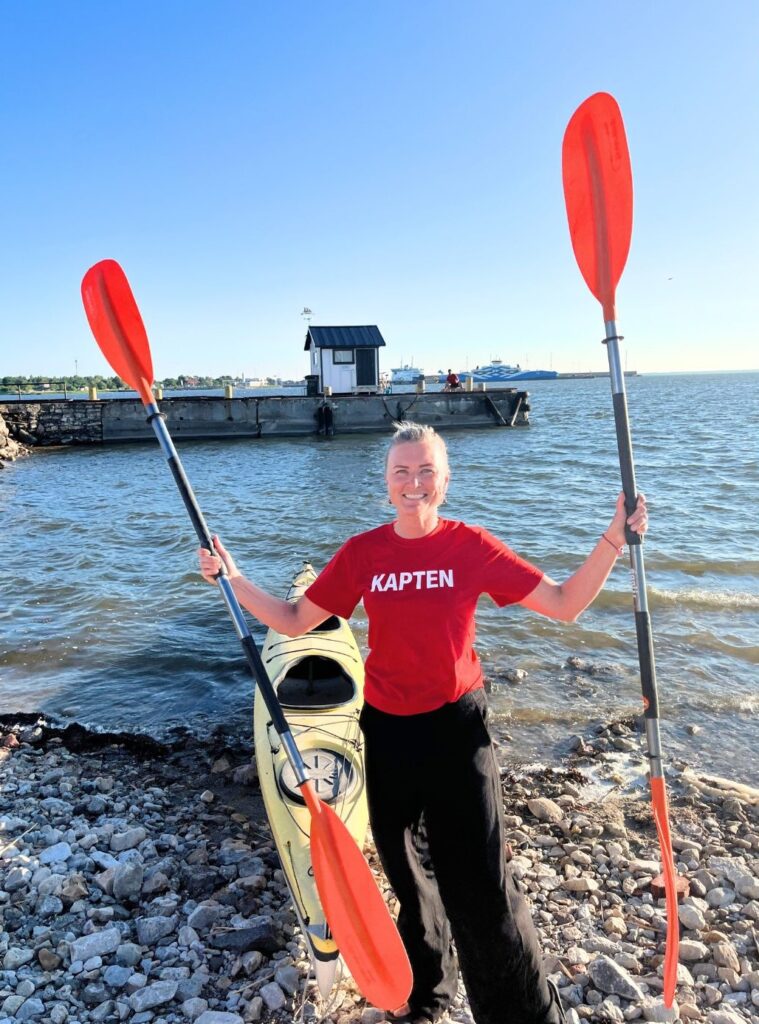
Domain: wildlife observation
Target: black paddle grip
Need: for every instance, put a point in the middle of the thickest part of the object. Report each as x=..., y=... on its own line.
x=626, y=464
x=198, y=522
x=647, y=664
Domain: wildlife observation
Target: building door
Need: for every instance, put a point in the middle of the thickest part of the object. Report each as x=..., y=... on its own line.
x=366, y=367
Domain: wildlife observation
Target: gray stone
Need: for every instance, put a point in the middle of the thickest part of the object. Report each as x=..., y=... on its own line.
x=127, y=880
x=157, y=882
x=94, y=994
x=53, y=854
x=96, y=944
x=17, y=878
x=157, y=994
x=692, y=950
x=30, y=1009
x=11, y=1004
x=151, y=929
x=219, y=1017
x=128, y=840
x=136, y=981
x=103, y=1012
x=288, y=979
x=193, y=1008
x=128, y=954
x=103, y=860
x=609, y=977
x=205, y=915
x=49, y=906
x=16, y=957
x=720, y=897
x=691, y=917
x=117, y=977
x=725, y=1016
x=190, y=988
x=187, y=935
x=273, y=996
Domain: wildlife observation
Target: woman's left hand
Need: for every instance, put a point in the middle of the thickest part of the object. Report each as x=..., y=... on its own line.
x=638, y=521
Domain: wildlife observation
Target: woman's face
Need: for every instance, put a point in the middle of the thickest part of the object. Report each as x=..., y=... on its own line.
x=417, y=477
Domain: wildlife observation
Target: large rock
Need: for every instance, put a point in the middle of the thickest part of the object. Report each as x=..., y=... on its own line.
x=96, y=944
x=545, y=809
x=260, y=933
x=151, y=929
x=127, y=880
x=30, y=1010
x=55, y=853
x=157, y=994
x=128, y=840
x=609, y=977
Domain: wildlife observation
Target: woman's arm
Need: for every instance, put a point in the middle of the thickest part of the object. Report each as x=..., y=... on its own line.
x=293, y=618
x=565, y=601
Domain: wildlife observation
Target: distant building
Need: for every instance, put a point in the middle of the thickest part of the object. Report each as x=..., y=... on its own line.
x=345, y=359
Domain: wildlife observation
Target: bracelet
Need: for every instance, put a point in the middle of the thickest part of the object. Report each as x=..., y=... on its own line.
x=620, y=551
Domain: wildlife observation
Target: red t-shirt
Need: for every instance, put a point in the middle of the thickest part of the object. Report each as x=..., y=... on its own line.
x=420, y=597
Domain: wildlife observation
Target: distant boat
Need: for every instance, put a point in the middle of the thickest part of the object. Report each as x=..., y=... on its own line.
x=498, y=372
x=406, y=374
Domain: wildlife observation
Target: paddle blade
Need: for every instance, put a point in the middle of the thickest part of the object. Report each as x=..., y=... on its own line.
x=671, y=953
x=599, y=195
x=117, y=325
x=363, y=929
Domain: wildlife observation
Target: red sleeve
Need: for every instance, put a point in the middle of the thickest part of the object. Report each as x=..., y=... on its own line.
x=506, y=577
x=336, y=589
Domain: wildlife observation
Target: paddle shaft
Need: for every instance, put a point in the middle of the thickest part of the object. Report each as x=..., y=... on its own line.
x=635, y=546
x=252, y=654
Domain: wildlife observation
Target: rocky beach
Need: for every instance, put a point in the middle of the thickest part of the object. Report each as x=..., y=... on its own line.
x=139, y=882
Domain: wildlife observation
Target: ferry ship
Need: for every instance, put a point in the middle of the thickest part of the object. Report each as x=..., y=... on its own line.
x=406, y=374
x=498, y=372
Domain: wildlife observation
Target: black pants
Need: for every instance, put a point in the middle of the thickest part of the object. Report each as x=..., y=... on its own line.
x=436, y=812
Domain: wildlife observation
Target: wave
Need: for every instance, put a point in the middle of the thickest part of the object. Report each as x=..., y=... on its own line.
x=698, y=597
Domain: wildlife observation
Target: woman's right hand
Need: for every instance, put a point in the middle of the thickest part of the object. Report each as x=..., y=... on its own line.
x=211, y=562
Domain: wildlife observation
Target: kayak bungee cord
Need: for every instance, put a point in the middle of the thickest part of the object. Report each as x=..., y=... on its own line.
x=599, y=198
x=353, y=904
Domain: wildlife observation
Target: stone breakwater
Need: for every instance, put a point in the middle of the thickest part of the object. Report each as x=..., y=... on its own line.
x=10, y=448
x=50, y=422
x=140, y=883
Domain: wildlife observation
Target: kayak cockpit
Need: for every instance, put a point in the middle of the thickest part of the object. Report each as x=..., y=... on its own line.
x=315, y=682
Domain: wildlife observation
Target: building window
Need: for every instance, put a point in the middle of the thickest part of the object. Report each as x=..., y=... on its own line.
x=343, y=355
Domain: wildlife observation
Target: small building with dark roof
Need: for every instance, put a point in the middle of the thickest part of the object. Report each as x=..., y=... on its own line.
x=345, y=359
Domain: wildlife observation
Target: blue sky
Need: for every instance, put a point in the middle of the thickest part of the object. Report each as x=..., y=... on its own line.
x=388, y=163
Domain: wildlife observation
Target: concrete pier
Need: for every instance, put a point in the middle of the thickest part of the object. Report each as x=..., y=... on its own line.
x=117, y=420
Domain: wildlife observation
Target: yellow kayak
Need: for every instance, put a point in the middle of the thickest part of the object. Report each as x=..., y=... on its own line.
x=319, y=682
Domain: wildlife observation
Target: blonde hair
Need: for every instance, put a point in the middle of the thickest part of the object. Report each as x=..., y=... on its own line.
x=415, y=433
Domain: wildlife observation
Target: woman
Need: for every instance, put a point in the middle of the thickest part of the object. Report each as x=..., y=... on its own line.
x=433, y=784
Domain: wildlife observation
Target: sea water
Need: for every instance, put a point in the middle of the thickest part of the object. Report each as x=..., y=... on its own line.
x=105, y=620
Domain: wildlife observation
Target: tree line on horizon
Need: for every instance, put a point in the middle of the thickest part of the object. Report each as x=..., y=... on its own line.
x=79, y=383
